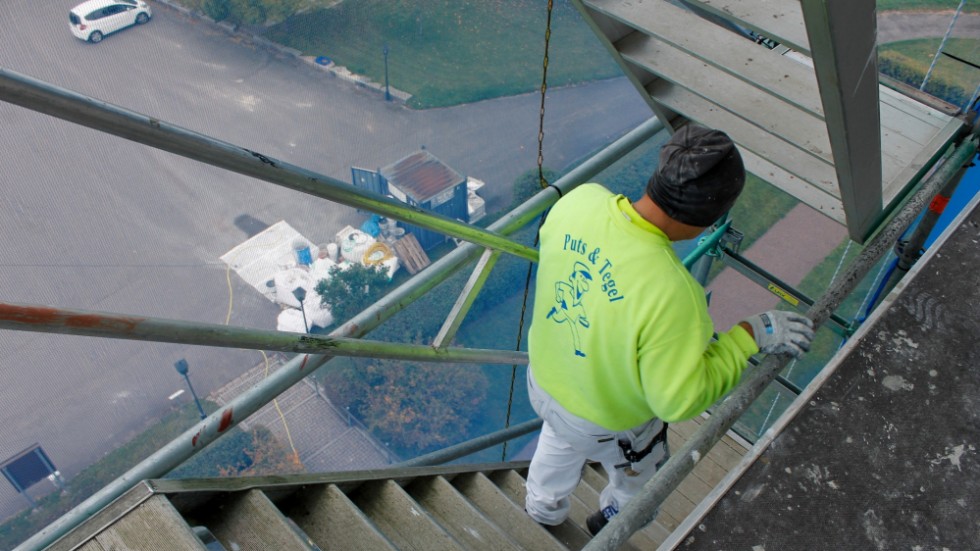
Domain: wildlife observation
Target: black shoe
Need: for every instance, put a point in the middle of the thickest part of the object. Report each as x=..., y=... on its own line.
x=597, y=520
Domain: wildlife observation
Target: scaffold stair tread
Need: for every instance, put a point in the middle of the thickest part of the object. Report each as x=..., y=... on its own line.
x=449, y=507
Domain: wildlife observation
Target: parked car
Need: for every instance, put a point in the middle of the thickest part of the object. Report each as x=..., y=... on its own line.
x=94, y=19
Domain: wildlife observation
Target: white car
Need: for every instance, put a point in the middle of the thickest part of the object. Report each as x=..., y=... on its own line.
x=94, y=19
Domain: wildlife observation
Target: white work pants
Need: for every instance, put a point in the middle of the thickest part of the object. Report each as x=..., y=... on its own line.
x=566, y=442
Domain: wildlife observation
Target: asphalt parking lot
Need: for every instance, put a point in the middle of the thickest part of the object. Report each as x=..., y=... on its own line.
x=96, y=222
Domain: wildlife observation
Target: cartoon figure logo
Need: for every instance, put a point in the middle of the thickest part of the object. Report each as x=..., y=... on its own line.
x=568, y=303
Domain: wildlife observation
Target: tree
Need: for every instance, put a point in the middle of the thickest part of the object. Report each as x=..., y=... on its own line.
x=248, y=12
x=265, y=457
x=350, y=290
x=278, y=10
x=414, y=407
x=216, y=9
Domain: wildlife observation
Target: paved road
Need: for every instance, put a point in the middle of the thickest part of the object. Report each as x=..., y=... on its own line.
x=91, y=221
x=896, y=25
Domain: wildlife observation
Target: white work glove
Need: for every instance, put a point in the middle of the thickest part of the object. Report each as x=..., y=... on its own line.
x=779, y=332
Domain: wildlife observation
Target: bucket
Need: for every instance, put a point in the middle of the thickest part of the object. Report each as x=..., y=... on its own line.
x=303, y=255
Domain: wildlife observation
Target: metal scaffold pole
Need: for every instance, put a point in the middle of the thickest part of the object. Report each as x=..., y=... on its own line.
x=909, y=251
x=115, y=326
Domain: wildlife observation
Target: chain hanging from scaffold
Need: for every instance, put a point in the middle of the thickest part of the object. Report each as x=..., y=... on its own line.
x=544, y=89
x=544, y=184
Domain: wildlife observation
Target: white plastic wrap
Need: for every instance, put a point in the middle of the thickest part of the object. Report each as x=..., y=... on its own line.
x=391, y=266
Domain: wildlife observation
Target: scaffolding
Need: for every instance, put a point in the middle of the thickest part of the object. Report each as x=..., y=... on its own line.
x=882, y=222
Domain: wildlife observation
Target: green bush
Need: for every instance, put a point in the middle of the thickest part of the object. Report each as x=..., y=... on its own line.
x=96, y=476
x=248, y=12
x=216, y=9
x=912, y=72
x=350, y=290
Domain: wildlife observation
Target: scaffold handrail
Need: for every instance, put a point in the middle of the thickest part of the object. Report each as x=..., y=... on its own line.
x=474, y=445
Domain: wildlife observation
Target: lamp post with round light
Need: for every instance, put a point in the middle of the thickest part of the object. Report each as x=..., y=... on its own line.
x=387, y=91
x=181, y=366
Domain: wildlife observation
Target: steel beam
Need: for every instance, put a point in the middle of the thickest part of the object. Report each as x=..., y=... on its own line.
x=71, y=106
x=707, y=244
x=776, y=286
x=908, y=252
x=843, y=43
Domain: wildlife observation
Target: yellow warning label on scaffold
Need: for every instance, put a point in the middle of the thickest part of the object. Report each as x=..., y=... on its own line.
x=783, y=294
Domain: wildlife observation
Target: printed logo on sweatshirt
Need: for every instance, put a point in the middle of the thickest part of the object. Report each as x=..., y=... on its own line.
x=604, y=265
x=568, y=308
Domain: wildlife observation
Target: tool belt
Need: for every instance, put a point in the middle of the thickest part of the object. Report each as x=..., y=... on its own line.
x=634, y=456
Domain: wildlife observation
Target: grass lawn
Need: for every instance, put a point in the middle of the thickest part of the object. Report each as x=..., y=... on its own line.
x=96, y=476
x=918, y=54
x=926, y=5
x=447, y=52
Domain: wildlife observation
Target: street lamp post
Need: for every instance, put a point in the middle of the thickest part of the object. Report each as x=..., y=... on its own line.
x=181, y=366
x=300, y=294
x=387, y=91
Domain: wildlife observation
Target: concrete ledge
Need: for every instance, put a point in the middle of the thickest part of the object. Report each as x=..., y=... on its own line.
x=880, y=451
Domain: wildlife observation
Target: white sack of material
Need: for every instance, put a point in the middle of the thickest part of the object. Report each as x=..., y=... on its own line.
x=290, y=320
x=316, y=313
x=288, y=280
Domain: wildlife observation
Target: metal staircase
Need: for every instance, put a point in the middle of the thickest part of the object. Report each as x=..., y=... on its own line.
x=806, y=108
x=417, y=508
x=457, y=507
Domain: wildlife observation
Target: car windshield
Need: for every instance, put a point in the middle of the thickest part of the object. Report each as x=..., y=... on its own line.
x=73, y=17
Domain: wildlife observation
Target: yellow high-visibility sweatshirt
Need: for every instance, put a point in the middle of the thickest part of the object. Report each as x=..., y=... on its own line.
x=620, y=332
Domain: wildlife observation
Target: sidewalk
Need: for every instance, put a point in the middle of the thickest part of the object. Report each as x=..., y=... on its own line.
x=791, y=248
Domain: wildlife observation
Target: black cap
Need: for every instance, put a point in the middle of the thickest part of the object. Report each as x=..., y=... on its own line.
x=699, y=177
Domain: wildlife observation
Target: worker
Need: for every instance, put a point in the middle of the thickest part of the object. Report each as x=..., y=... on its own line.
x=621, y=342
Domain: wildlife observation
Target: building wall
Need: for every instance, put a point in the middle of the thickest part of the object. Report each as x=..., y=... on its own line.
x=452, y=207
